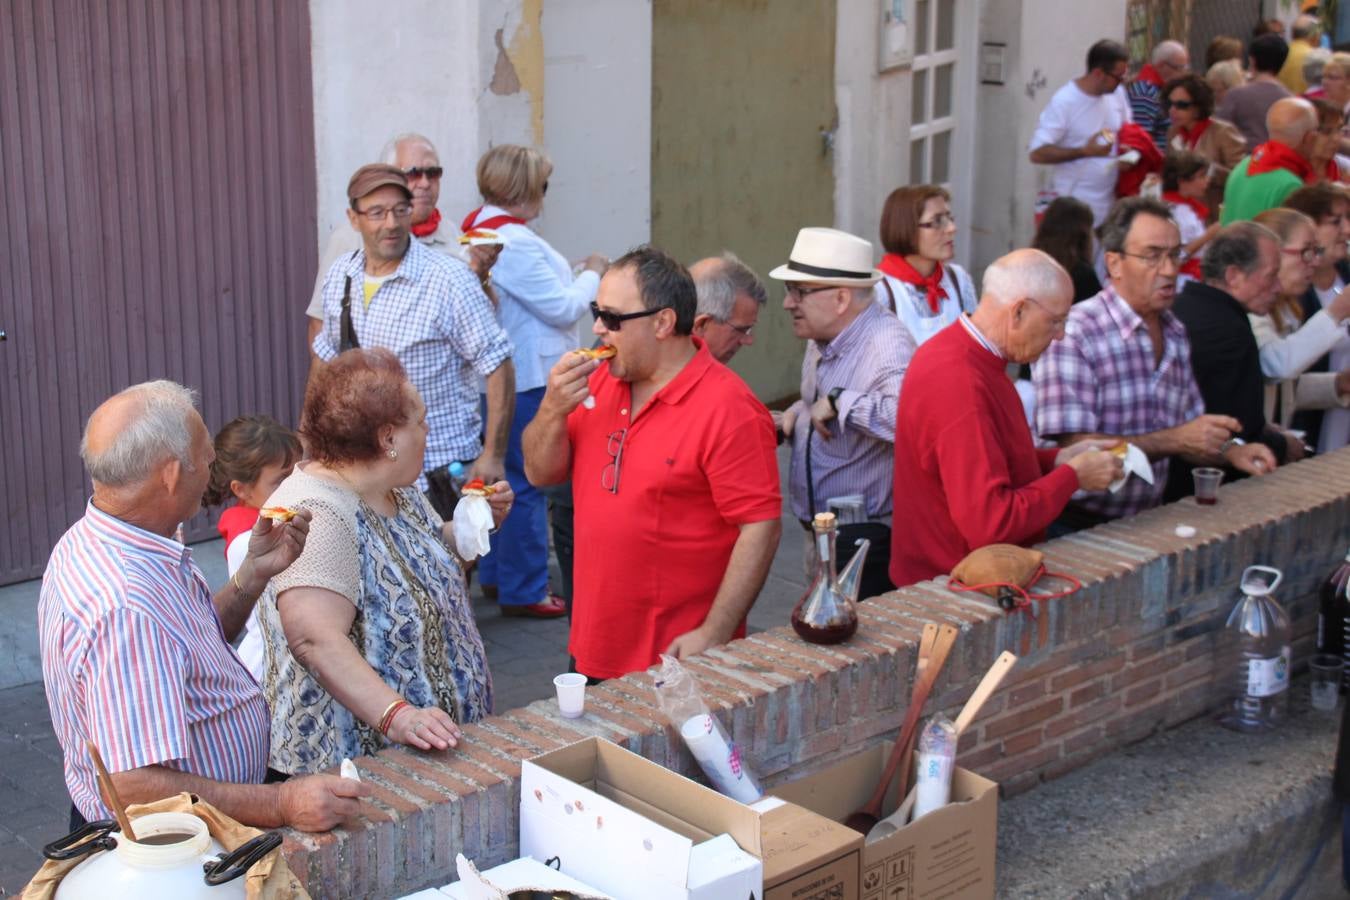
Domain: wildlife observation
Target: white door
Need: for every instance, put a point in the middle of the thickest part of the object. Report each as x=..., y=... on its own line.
x=942, y=100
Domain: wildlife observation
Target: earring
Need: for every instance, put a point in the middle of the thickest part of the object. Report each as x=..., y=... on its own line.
x=393, y=454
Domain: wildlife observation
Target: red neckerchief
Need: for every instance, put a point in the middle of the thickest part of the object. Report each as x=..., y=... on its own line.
x=429, y=226
x=1191, y=266
x=489, y=224
x=1149, y=74
x=1200, y=209
x=1332, y=173
x=897, y=266
x=1271, y=156
x=1192, y=137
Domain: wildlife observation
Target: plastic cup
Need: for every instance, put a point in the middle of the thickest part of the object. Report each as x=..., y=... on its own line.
x=571, y=694
x=1207, y=485
x=1326, y=681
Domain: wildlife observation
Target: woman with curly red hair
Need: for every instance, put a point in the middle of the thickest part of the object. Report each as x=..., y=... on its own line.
x=370, y=637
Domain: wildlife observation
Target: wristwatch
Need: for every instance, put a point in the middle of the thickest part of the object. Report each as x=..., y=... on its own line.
x=1234, y=441
x=834, y=399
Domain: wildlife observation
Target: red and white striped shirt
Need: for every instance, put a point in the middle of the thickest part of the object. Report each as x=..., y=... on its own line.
x=134, y=659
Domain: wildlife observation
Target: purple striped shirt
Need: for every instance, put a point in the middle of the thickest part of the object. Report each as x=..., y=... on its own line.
x=868, y=361
x=134, y=659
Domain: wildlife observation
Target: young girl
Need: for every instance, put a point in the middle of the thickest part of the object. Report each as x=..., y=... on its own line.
x=1185, y=178
x=254, y=454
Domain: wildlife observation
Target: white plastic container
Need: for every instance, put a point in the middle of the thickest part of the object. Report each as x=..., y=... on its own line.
x=143, y=871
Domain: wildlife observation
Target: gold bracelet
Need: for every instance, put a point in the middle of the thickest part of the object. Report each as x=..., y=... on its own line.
x=234, y=580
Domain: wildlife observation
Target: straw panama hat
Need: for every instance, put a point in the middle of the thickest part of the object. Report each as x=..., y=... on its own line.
x=828, y=256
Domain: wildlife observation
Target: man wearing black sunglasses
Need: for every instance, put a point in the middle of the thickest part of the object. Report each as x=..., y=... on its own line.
x=673, y=476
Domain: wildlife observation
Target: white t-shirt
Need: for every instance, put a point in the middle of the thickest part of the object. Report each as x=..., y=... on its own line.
x=1335, y=422
x=1191, y=227
x=250, y=643
x=1071, y=119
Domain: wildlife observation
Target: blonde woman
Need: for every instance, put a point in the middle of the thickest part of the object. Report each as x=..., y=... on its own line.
x=540, y=304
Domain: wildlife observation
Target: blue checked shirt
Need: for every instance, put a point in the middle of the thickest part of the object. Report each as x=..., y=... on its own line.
x=434, y=316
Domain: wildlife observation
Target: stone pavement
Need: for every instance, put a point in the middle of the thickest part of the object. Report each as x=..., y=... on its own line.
x=524, y=656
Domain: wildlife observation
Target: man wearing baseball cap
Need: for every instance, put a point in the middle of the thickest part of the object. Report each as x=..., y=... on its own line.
x=430, y=310
x=842, y=429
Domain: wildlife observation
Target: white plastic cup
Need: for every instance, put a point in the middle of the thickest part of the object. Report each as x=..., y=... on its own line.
x=571, y=688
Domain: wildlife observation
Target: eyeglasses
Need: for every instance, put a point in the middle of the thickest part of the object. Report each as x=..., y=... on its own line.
x=1309, y=253
x=416, y=172
x=796, y=290
x=1156, y=256
x=609, y=475
x=743, y=330
x=1181, y=104
x=940, y=221
x=1057, y=321
x=612, y=320
x=378, y=213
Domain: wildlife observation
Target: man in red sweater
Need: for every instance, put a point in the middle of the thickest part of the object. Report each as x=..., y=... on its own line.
x=967, y=473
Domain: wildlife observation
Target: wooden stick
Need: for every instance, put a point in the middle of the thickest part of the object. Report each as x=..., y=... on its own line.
x=988, y=684
x=109, y=792
x=947, y=635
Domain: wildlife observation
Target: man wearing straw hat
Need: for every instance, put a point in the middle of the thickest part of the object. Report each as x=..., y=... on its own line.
x=842, y=429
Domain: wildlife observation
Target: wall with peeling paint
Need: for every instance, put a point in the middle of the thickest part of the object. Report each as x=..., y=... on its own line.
x=413, y=71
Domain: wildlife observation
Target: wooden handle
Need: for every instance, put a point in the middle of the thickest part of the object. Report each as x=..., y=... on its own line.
x=988, y=684
x=942, y=648
x=109, y=792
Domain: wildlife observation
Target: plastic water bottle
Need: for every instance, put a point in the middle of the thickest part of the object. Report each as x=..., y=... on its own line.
x=935, y=756
x=1333, y=617
x=1253, y=657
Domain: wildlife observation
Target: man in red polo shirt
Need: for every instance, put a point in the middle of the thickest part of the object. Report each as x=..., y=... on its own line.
x=673, y=475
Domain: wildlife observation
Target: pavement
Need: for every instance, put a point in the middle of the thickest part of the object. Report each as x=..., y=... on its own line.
x=523, y=655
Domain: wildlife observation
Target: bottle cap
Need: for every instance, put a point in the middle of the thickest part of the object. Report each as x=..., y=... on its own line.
x=823, y=521
x=456, y=468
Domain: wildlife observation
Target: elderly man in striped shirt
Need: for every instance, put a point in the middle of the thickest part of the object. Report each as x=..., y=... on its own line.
x=843, y=428
x=135, y=656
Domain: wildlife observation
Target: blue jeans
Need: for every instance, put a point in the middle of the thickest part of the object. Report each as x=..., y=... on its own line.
x=518, y=563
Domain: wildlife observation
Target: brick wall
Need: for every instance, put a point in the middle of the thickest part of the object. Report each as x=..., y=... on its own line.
x=1129, y=654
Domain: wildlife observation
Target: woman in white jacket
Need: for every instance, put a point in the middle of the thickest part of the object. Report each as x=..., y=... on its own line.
x=1289, y=346
x=540, y=304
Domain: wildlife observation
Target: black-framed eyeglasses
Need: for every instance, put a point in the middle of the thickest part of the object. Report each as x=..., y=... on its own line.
x=939, y=221
x=613, y=321
x=609, y=475
x=378, y=213
x=795, y=289
x=416, y=172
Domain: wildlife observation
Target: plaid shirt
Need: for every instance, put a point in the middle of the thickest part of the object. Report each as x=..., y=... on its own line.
x=435, y=317
x=1100, y=378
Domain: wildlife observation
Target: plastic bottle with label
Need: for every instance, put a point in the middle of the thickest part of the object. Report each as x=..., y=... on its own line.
x=1253, y=657
x=1333, y=617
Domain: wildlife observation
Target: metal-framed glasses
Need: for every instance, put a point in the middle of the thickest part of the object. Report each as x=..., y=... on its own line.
x=742, y=330
x=378, y=213
x=939, y=221
x=1154, y=257
x=613, y=321
x=609, y=475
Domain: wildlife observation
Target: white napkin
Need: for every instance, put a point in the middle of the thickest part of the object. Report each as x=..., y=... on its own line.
x=1135, y=462
x=473, y=524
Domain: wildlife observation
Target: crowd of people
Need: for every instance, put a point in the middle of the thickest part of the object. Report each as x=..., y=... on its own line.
x=1196, y=313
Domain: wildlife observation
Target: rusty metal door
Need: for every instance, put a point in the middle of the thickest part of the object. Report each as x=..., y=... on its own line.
x=742, y=118
x=157, y=163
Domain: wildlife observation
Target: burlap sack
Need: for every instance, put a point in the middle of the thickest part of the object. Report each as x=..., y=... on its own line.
x=269, y=878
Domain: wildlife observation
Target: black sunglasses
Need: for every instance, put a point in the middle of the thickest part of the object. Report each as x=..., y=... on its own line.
x=613, y=320
x=1181, y=104
x=416, y=172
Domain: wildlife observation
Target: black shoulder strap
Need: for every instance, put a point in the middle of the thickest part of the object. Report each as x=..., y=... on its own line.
x=347, y=332
x=889, y=293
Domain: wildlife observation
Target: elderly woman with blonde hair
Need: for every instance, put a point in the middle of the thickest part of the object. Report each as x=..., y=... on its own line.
x=541, y=303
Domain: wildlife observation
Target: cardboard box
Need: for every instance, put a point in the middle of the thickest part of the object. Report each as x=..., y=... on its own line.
x=517, y=875
x=634, y=829
x=807, y=856
x=949, y=853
